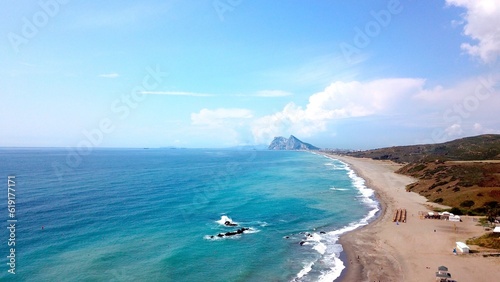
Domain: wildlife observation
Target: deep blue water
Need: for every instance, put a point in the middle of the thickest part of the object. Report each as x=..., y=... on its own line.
x=148, y=215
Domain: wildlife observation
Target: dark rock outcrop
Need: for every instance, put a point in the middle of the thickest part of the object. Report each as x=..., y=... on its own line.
x=229, y=223
x=232, y=233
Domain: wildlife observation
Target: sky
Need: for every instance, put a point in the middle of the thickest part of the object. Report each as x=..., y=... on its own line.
x=223, y=73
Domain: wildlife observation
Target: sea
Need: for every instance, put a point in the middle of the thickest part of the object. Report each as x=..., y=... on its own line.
x=176, y=214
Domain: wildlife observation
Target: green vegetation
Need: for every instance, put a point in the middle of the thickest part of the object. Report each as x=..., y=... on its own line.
x=467, y=203
x=456, y=211
x=482, y=147
x=463, y=174
x=488, y=240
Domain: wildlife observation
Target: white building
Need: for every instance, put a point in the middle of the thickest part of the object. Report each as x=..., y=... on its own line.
x=461, y=246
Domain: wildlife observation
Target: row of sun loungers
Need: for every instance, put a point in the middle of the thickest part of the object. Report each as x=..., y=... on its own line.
x=400, y=215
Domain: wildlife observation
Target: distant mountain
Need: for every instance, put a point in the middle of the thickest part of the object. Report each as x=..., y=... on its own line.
x=292, y=143
x=482, y=147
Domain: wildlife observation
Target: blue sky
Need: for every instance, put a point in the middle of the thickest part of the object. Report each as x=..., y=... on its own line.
x=219, y=73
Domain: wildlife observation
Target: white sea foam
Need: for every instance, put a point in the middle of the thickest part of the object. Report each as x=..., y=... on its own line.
x=251, y=230
x=338, y=189
x=263, y=223
x=326, y=244
x=305, y=270
x=335, y=166
x=223, y=219
x=319, y=246
x=215, y=237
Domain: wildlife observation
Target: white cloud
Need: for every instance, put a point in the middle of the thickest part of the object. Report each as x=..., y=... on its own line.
x=225, y=126
x=273, y=93
x=109, y=75
x=482, y=25
x=387, y=104
x=480, y=129
x=220, y=117
x=177, y=93
x=339, y=100
x=454, y=130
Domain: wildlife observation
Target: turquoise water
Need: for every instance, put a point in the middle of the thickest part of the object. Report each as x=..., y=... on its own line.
x=149, y=215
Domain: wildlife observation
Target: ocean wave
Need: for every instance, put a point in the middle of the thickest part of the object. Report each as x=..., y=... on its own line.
x=338, y=189
x=223, y=219
x=335, y=166
x=306, y=269
x=216, y=238
x=325, y=243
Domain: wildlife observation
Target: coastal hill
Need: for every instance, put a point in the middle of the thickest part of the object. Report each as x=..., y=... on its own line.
x=463, y=173
x=291, y=143
x=482, y=147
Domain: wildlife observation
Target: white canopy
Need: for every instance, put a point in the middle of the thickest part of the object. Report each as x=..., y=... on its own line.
x=497, y=229
x=463, y=247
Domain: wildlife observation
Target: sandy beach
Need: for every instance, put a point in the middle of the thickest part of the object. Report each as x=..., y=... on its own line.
x=411, y=251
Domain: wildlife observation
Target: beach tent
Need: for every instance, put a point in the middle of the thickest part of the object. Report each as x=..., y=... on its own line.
x=497, y=229
x=461, y=246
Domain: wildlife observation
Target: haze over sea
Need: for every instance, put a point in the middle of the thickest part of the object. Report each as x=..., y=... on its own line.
x=149, y=215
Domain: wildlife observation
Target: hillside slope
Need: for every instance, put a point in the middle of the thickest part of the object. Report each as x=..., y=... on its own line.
x=482, y=147
x=463, y=173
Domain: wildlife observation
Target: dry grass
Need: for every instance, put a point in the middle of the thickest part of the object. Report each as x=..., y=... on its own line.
x=464, y=185
x=490, y=240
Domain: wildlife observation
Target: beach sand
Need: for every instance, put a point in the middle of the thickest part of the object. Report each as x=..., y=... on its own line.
x=411, y=251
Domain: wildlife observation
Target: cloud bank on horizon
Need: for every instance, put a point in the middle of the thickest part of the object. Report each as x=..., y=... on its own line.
x=341, y=75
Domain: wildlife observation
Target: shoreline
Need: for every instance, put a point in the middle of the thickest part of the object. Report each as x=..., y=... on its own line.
x=355, y=270
x=384, y=250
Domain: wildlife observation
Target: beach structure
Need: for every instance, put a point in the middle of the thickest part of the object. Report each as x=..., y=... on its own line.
x=461, y=246
x=442, y=215
x=496, y=230
x=445, y=215
x=442, y=275
x=433, y=215
x=399, y=215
